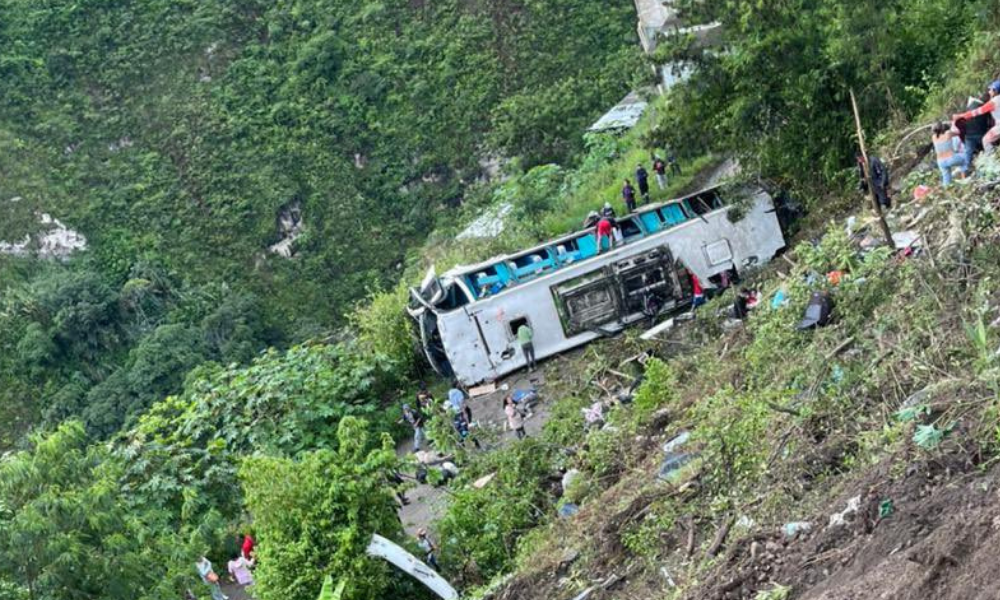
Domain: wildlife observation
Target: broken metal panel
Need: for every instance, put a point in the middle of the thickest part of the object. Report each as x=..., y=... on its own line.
x=406, y=562
x=622, y=116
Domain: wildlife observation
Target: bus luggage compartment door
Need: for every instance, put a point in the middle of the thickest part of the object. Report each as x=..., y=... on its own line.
x=587, y=302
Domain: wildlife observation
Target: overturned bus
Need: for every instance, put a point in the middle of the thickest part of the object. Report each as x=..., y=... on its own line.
x=570, y=294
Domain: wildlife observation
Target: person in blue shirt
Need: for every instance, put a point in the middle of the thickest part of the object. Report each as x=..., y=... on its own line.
x=459, y=401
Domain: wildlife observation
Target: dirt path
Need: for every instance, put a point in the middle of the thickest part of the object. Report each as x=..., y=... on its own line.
x=428, y=503
x=235, y=591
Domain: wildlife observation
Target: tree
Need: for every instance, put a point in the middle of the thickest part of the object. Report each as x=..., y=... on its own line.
x=314, y=516
x=65, y=532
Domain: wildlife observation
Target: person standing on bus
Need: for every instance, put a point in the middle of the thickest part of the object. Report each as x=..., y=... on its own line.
x=605, y=229
x=642, y=178
x=628, y=194
x=525, y=337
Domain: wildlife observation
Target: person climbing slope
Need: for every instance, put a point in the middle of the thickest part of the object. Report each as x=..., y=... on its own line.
x=993, y=108
x=642, y=178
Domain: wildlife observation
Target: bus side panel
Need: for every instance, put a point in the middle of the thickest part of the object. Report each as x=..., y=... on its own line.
x=464, y=347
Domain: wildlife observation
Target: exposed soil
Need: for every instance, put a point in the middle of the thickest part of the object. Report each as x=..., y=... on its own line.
x=939, y=542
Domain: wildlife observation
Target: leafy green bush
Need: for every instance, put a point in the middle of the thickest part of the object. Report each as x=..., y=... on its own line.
x=482, y=527
x=659, y=389
x=385, y=329
x=314, y=516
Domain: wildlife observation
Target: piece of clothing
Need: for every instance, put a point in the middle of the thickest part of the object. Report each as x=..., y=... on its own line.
x=529, y=355
x=944, y=147
x=659, y=167
x=413, y=416
x=696, y=285
x=248, y=546
x=419, y=438
x=609, y=212
x=525, y=335
x=973, y=146
x=990, y=139
x=604, y=227
x=456, y=398
x=514, y=418
x=661, y=181
x=239, y=568
x=991, y=108
x=946, y=166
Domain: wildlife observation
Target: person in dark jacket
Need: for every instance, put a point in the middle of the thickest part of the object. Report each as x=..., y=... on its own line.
x=973, y=130
x=741, y=305
x=880, y=179
x=628, y=194
x=642, y=178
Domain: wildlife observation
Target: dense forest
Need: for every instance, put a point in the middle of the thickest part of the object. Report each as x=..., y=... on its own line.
x=177, y=379
x=173, y=135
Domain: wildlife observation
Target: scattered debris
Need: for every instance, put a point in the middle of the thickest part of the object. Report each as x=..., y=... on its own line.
x=489, y=225
x=818, y=311
x=657, y=330
x=841, y=518
x=483, y=481
x=290, y=228
x=720, y=538
x=793, y=529
x=568, y=478
x=585, y=593
x=928, y=437
x=53, y=240
x=672, y=464
x=568, y=509
x=482, y=390
x=676, y=442
x=885, y=509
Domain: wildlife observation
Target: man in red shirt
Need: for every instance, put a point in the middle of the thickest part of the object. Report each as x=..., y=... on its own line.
x=697, y=291
x=605, y=229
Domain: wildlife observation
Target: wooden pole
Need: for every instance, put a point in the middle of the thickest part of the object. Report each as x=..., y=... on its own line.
x=868, y=175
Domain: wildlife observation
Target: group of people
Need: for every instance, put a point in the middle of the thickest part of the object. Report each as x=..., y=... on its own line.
x=974, y=131
x=239, y=568
x=606, y=220
x=642, y=180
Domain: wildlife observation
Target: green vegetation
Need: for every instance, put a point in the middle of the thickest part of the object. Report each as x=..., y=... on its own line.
x=177, y=382
x=173, y=135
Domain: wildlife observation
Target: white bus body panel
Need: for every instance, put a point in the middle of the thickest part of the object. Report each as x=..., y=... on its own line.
x=477, y=338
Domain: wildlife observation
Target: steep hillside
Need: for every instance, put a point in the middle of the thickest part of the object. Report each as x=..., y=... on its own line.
x=265, y=163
